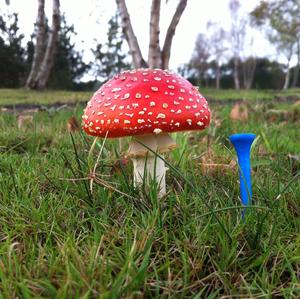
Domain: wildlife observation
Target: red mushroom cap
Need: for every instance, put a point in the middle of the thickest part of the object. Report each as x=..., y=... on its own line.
x=145, y=101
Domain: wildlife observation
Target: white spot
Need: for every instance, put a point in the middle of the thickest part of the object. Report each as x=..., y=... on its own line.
x=187, y=107
x=165, y=105
x=134, y=79
x=202, y=111
x=107, y=104
x=129, y=114
x=116, y=120
x=126, y=121
x=150, y=113
x=116, y=89
x=147, y=96
x=178, y=111
x=152, y=104
x=176, y=103
x=206, y=117
x=182, y=90
x=146, y=80
x=153, y=88
x=140, y=121
x=97, y=128
x=171, y=86
x=157, y=78
x=135, y=105
x=126, y=96
x=200, y=123
x=102, y=121
x=138, y=95
x=180, y=98
x=197, y=114
x=121, y=107
x=161, y=115
x=194, y=106
x=189, y=121
x=113, y=107
x=141, y=112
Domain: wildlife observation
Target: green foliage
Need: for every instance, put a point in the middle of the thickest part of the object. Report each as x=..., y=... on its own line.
x=12, y=55
x=110, y=57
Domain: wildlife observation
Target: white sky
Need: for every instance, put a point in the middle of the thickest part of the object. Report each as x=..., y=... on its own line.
x=90, y=18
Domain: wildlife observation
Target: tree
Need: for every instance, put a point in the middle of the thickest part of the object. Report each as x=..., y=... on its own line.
x=43, y=64
x=217, y=48
x=40, y=45
x=237, y=38
x=110, y=57
x=281, y=19
x=12, y=55
x=248, y=68
x=69, y=66
x=157, y=57
x=199, y=61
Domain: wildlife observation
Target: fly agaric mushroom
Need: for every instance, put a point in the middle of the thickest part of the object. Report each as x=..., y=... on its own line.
x=147, y=104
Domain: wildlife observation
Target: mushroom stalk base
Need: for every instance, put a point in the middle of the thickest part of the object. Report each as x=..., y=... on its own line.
x=150, y=169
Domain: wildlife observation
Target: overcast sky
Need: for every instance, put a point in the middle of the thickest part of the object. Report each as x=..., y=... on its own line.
x=90, y=18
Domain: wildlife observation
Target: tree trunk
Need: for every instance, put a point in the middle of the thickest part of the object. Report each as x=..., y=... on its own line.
x=137, y=58
x=154, y=57
x=248, y=72
x=296, y=71
x=218, y=75
x=39, y=46
x=166, y=51
x=287, y=79
x=49, y=58
x=236, y=73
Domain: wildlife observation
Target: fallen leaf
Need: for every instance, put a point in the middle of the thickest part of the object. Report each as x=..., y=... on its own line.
x=24, y=121
x=73, y=124
x=119, y=165
x=239, y=112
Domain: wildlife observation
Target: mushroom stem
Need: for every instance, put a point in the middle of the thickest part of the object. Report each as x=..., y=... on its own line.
x=147, y=166
x=150, y=168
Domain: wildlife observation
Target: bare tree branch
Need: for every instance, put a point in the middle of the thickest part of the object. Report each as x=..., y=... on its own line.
x=166, y=51
x=154, y=57
x=49, y=58
x=39, y=46
x=137, y=58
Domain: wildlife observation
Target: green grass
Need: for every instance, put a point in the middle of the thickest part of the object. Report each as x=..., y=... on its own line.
x=24, y=96
x=59, y=239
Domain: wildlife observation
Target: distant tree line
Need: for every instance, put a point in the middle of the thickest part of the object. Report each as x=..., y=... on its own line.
x=221, y=58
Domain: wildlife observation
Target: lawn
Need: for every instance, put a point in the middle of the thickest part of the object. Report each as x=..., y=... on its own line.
x=64, y=235
x=24, y=96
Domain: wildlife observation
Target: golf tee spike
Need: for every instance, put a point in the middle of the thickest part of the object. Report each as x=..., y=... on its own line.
x=242, y=144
